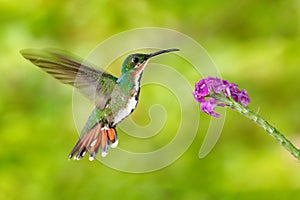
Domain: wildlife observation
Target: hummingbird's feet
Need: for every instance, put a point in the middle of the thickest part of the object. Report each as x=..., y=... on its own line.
x=100, y=135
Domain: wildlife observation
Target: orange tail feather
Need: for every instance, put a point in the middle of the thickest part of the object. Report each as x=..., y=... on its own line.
x=98, y=135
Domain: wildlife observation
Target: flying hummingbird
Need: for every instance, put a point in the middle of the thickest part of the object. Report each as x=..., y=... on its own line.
x=114, y=98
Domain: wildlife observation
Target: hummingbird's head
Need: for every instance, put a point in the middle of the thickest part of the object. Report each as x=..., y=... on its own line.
x=136, y=63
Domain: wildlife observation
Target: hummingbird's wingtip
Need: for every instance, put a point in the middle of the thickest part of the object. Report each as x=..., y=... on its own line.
x=31, y=54
x=26, y=51
x=23, y=52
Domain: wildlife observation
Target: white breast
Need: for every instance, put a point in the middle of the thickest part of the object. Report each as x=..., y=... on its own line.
x=126, y=111
x=123, y=113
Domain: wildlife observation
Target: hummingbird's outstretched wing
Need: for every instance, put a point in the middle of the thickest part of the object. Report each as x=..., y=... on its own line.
x=95, y=84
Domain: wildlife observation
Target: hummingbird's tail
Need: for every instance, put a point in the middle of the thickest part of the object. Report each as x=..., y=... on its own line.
x=99, y=135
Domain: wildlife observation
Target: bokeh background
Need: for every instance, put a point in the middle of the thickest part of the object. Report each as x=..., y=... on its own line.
x=254, y=43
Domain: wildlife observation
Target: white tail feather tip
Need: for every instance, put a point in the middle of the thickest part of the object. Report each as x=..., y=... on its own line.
x=114, y=145
x=91, y=158
x=93, y=143
x=103, y=154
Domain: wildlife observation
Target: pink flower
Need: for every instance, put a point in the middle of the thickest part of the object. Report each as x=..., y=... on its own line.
x=209, y=106
x=207, y=89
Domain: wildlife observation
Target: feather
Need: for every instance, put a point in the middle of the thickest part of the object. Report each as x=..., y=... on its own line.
x=92, y=140
x=95, y=84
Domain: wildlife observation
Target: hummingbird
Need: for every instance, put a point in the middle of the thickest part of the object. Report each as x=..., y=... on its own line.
x=114, y=98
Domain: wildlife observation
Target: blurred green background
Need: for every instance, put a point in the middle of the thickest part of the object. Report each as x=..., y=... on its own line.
x=254, y=43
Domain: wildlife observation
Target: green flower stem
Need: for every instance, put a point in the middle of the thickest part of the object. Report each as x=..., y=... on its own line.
x=264, y=124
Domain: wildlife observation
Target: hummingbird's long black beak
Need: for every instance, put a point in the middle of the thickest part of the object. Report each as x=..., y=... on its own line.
x=160, y=52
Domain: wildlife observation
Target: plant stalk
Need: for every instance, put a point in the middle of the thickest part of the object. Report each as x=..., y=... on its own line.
x=289, y=146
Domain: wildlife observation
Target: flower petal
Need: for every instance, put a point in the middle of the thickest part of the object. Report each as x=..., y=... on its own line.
x=211, y=92
x=209, y=106
x=201, y=90
x=244, y=98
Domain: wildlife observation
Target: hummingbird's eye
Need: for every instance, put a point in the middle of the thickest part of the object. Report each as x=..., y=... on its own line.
x=135, y=60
